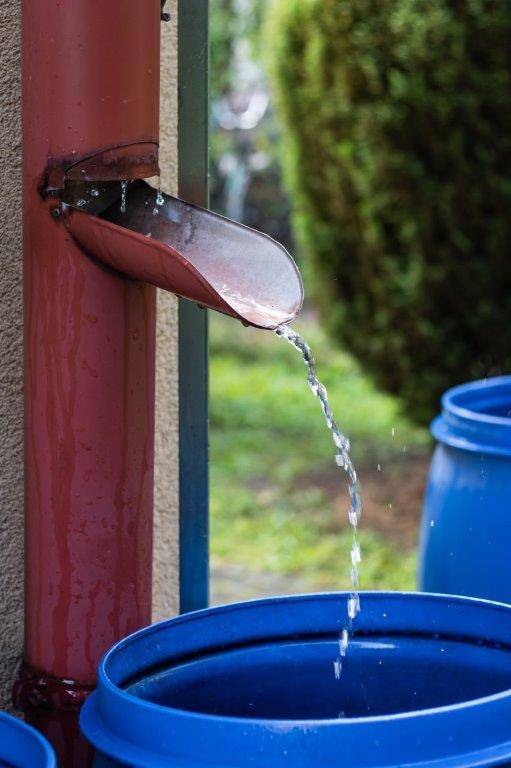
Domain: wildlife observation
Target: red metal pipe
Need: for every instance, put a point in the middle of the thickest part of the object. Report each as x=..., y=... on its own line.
x=90, y=77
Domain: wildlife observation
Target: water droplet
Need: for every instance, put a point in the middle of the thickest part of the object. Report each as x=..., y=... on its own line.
x=353, y=606
x=356, y=555
x=343, y=642
x=159, y=201
x=124, y=196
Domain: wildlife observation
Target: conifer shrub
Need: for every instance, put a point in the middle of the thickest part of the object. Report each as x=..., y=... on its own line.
x=396, y=119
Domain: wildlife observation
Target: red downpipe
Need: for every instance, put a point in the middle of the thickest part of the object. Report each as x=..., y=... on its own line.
x=90, y=99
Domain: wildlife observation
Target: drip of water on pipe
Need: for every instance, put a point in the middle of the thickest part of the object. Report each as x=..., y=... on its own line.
x=124, y=196
x=343, y=460
x=158, y=201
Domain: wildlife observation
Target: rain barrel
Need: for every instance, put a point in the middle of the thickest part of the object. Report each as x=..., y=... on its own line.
x=22, y=746
x=426, y=682
x=466, y=526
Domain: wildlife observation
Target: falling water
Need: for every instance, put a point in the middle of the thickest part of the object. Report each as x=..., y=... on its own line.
x=124, y=196
x=342, y=459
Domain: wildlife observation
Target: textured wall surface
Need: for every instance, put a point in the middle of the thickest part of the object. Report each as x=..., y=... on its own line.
x=166, y=554
x=11, y=384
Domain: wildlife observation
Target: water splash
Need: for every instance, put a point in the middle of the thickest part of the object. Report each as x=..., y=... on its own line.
x=343, y=460
x=124, y=196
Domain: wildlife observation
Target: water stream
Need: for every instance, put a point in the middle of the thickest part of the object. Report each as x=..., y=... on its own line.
x=343, y=460
x=342, y=446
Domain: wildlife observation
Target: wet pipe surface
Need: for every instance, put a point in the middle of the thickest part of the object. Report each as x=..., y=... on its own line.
x=90, y=337
x=187, y=250
x=89, y=387
x=89, y=353
x=90, y=418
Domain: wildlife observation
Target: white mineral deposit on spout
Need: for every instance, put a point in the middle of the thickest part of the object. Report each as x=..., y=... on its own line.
x=249, y=308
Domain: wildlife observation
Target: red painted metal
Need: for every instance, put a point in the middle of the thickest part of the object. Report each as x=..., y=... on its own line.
x=132, y=161
x=90, y=81
x=90, y=77
x=62, y=730
x=39, y=690
x=193, y=253
x=89, y=382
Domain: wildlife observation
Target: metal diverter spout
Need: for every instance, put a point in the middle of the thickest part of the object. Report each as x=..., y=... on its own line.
x=192, y=252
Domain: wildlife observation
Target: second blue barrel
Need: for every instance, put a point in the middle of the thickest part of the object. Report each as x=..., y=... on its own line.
x=466, y=527
x=23, y=747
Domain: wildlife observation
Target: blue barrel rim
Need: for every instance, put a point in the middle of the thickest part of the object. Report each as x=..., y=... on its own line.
x=111, y=744
x=464, y=422
x=15, y=728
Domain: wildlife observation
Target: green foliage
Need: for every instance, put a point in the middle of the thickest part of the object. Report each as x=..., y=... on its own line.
x=397, y=151
x=230, y=22
x=223, y=30
x=269, y=446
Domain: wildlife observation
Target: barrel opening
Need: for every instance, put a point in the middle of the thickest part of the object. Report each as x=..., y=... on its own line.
x=294, y=680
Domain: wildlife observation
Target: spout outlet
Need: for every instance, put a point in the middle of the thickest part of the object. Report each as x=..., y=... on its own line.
x=190, y=251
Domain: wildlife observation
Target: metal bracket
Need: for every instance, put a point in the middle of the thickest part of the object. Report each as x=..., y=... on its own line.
x=129, y=161
x=39, y=690
x=164, y=16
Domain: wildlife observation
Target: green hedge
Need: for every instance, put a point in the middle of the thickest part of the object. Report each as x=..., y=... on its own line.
x=223, y=30
x=397, y=151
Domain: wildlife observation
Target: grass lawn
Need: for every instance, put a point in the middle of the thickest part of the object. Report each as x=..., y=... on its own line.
x=278, y=502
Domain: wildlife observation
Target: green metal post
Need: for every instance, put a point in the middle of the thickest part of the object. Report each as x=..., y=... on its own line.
x=193, y=31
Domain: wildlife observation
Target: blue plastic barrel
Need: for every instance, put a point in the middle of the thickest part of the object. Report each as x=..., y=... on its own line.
x=22, y=746
x=466, y=528
x=426, y=682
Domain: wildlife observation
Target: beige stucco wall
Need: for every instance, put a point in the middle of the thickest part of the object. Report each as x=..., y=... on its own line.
x=11, y=382
x=166, y=552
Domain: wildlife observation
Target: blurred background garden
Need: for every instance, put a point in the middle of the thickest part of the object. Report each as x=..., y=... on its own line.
x=372, y=139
